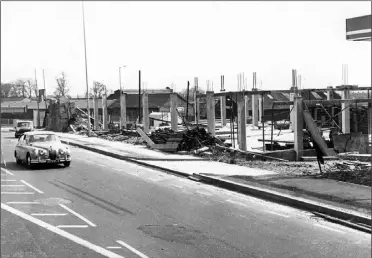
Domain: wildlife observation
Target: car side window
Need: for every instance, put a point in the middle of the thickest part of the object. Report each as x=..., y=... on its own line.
x=26, y=139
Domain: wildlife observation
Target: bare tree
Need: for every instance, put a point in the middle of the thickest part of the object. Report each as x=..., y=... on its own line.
x=30, y=87
x=6, y=89
x=20, y=88
x=62, y=86
x=183, y=93
x=97, y=90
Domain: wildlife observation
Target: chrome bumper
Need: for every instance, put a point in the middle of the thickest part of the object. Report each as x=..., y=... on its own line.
x=49, y=161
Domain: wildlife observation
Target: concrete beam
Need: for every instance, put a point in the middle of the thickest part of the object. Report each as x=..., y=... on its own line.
x=211, y=112
x=326, y=102
x=292, y=114
x=255, y=110
x=173, y=110
x=104, y=112
x=345, y=113
x=242, y=125
x=145, y=112
x=223, y=110
x=123, y=110
x=96, y=117
x=298, y=127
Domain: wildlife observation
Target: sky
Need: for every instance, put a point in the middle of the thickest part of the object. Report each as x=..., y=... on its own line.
x=173, y=42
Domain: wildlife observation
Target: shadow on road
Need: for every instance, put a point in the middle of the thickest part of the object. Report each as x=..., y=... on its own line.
x=15, y=166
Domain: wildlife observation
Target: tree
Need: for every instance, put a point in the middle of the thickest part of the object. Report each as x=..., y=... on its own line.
x=183, y=93
x=97, y=90
x=30, y=87
x=19, y=88
x=6, y=89
x=63, y=88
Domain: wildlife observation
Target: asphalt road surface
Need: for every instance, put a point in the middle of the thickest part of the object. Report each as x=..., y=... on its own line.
x=102, y=207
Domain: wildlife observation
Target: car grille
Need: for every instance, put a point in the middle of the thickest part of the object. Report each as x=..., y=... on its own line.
x=53, y=154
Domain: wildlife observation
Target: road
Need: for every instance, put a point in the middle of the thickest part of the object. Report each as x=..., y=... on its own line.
x=100, y=206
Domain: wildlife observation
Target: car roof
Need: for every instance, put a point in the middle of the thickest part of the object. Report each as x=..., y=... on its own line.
x=39, y=132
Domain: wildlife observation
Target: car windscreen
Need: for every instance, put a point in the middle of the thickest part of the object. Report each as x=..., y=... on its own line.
x=43, y=138
x=23, y=124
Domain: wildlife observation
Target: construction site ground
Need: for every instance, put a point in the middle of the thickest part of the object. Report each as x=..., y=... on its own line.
x=298, y=179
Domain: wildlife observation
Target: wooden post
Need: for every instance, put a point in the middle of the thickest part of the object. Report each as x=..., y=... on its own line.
x=96, y=117
x=210, y=112
x=173, y=110
x=145, y=113
x=104, y=112
x=123, y=110
x=223, y=110
x=345, y=113
x=242, y=136
x=298, y=127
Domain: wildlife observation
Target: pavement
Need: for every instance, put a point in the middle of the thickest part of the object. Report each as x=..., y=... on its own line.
x=106, y=207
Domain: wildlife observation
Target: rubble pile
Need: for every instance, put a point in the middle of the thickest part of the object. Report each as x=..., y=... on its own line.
x=197, y=138
x=350, y=171
x=161, y=136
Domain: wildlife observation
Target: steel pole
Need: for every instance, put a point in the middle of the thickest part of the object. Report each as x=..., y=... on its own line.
x=86, y=71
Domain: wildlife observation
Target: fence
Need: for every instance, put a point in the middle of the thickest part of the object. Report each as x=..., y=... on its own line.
x=6, y=122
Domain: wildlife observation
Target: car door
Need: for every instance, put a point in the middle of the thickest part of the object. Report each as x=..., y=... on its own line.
x=19, y=147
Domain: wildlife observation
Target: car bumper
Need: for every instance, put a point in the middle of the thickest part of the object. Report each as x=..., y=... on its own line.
x=49, y=161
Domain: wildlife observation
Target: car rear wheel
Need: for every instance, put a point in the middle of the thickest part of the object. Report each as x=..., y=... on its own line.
x=67, y=163
x=28, y=161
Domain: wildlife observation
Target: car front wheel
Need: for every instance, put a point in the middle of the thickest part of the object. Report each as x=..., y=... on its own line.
x=28, y=161
x=17, y=159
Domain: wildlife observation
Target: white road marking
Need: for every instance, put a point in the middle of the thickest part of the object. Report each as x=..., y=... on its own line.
x=279, y=214
x=132, y=249
x=113, y=247
x=8, y=180
x=238, y=203
x=17, y=193
x=117, y=169
x=154, y=179
x=48, y=214
x=23, y=203
x=101, y=165
x=33, y=187
x=7, y=171
x=62, y=233
x=176, y=186
x=78, y=215
x=333, y=229
x=12, y=185
x=72, y=226
x=204, y=193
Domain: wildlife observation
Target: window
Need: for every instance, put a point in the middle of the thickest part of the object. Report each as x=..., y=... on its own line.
x=271, y=97
x=43, y=138
x=23, y=124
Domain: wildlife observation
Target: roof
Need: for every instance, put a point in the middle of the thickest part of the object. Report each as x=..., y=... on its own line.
x=82, y=103
x=31, y=104
x=39, y=132
x=319, y=95
x=11, y=99
x=358, y=28
x=156, y=100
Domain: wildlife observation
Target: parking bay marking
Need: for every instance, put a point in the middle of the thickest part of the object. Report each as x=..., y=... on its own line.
x=7, y=171
x=132, y=249
x=33, y=187
x=23, y=203
x=48, y=214
x=78, y=215
x=17, y=193
x=12, y=185
x=62, y=233
x=72, y=226
x=8, y=180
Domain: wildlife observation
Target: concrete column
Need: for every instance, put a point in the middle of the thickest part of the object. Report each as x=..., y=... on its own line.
x=223, y=110
x=260, y=108
x=246, y=100
x=329, y=92
x=254, y=109
x=242, y=125
x=96, y=117
x=123, y=110
x=298, y=127
x=104, y=112
x=173, y=110
x=196, y=108
x=145, y=112
x=345, y=113
x=355, y=122
x=210, y=112
x=369, y=118
x=292, y=114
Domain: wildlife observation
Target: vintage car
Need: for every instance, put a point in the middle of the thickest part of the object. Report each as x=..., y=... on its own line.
x=22, y=127
x=41, y=147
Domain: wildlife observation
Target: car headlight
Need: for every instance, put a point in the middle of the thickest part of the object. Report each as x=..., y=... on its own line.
x=61, y=151
x=42, y=152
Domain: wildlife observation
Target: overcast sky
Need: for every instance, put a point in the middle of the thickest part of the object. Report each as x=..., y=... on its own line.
x=172, y=42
